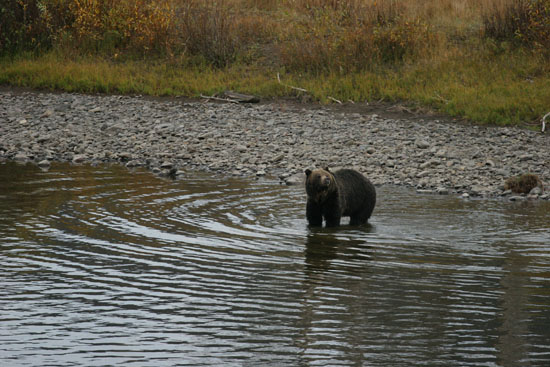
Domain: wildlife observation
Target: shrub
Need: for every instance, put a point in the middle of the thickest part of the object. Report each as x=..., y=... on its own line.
x=220, y=32
x=29, y=24
x=523, y=22
x=330, y=41
x=534, y=28
x=523, y=184
x=402, y=39
x=208, y=29
x=142, y=26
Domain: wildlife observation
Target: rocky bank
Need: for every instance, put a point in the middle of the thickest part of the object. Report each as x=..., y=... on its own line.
x=275, y=139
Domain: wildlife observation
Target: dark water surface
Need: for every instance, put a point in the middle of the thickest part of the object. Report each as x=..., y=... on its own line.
x=103, y=266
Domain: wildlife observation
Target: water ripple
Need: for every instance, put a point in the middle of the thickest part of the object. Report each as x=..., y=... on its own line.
x=102, y=266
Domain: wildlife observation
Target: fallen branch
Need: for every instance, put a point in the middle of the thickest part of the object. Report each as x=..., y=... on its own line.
x=242, y=98
x=290, y=86
x=219, y=99
x=544, y=121
x=334, y=99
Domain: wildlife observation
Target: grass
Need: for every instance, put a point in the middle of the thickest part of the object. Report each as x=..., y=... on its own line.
x=471, y=59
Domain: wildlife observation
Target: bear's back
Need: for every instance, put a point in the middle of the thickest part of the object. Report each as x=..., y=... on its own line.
x=355, y=190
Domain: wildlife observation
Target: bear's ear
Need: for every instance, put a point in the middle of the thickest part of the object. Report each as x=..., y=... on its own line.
x=308, y=172
x=326, y=169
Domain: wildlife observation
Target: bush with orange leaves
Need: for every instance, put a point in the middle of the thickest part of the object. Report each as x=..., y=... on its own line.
x=142, y=26
x=523, y=22
x=216, y=31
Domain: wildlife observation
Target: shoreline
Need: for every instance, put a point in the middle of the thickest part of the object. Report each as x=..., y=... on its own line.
x=277, y=138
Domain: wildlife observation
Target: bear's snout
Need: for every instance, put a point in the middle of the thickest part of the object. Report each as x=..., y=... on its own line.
x=326, y=181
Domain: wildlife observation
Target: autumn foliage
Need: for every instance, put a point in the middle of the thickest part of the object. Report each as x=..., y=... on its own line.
x=313, y=35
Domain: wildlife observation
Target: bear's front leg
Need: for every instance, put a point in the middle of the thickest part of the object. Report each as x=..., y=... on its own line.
x=332, y=219
x=313, y=214
x=333, y=222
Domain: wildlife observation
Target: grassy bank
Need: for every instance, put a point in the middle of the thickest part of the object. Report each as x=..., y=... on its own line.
x=487, y=61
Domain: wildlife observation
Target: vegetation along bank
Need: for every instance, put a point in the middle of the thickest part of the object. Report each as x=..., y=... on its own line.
x=487, y=61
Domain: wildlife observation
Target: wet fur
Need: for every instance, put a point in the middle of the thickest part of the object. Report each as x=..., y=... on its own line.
x=346, y=194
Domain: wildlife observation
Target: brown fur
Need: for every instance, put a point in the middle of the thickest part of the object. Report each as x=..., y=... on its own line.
x=331, y=196
x=321, y=183
x=523, y=184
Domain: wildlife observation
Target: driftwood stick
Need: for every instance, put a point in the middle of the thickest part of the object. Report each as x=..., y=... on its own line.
x=242, y=98
x=334, y=99
x=544, y=121
x=290, y=86
x=219, y=99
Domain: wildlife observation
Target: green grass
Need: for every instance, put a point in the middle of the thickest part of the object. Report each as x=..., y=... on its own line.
x=504, y=89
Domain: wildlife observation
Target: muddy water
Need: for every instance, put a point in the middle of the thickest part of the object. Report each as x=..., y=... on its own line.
x=103, y=266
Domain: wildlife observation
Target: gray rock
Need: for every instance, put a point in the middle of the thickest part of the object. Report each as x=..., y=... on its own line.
x=43, y=138
x=535, y=191
x=47, y=113
x=422, y=144
x=241, y=148
x=114, y=129
x=230, y=138
x=135, y=163
x=442, y=191
x=479, y=190
x=21, y=157
x=44, y=163
x=125, y=155
x=296, y=179
x=79, y=158
x=525, y=157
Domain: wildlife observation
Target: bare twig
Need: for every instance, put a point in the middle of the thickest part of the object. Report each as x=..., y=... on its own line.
x=544, y=121
x=304, y=90
x=444, y=100
x=290, y=86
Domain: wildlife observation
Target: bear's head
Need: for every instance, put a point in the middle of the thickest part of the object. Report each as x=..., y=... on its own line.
x=319, y=184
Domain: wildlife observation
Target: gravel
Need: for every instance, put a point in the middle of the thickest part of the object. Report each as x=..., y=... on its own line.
x=278, y=140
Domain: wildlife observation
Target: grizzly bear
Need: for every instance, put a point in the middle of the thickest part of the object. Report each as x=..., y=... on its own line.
x=335, y=195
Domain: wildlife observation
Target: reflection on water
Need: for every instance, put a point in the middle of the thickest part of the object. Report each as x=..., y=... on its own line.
x=103, y=266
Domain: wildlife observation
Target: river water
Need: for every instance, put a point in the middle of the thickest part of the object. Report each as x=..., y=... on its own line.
x=102, y=266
